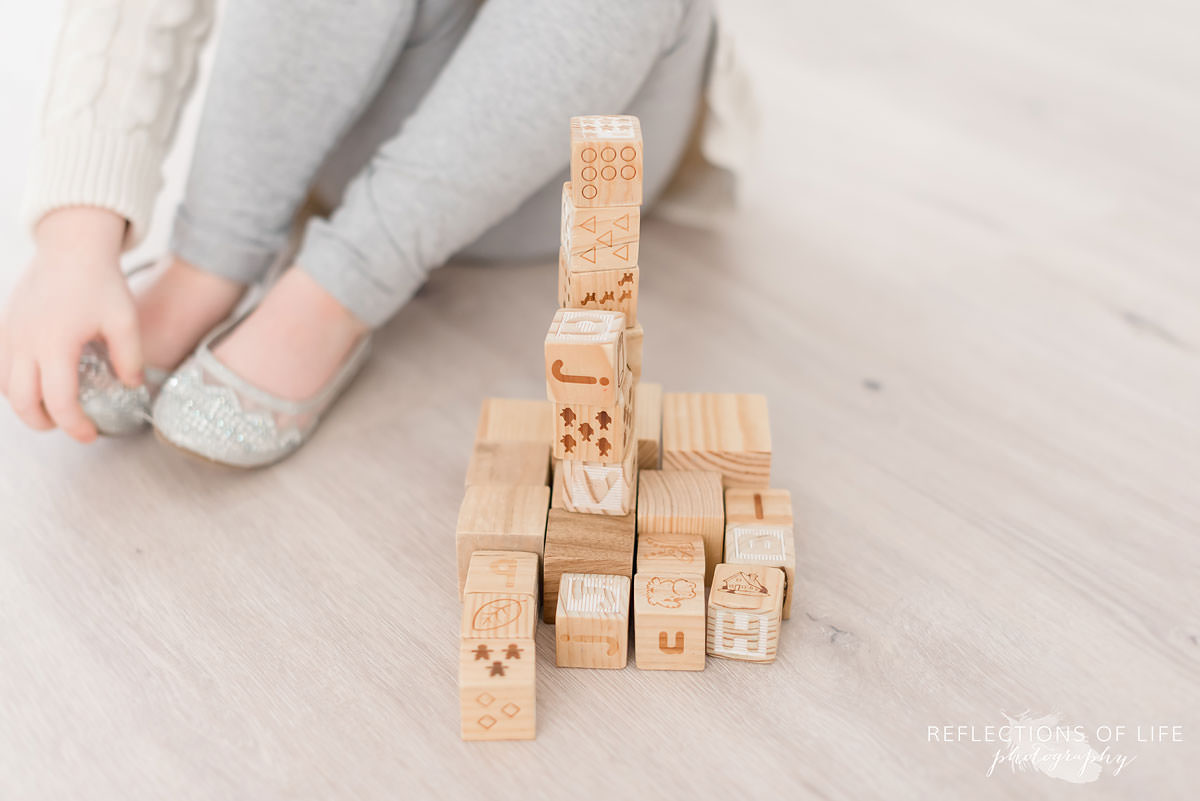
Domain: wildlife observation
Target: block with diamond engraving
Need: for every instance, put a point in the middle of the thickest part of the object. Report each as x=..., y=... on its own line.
x=496, y=683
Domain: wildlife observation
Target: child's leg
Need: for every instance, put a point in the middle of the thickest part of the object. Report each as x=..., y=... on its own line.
x=289, y=79
x=492, y=131
x=667, y=104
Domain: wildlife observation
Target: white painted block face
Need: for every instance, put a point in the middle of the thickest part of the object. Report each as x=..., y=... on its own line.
x=594, y=594
x=754, y=543
x=740, y=635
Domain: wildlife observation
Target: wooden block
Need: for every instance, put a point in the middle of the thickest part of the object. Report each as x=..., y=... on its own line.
x=598, y=489
x=606, y=161
x=581, y=543
x=604, y=238
x=727, y=433
x=592, y=622
x=497, y=686
x=595, y=433
x=509, y=463
x=511, y=615
x=585, y=357
x=670, y=553
x=648, y=423
x=501, y=572
x=500, y=519
x=759, y=531
x=634, y=340
x=684, y=502
x=744, y=610
x=668, y=620
x=610, y=290
x=515, y=420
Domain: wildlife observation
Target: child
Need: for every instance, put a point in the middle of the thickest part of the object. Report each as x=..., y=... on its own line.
x=442, y=120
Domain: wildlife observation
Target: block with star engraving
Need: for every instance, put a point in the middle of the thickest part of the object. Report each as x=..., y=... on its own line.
x=496, y=686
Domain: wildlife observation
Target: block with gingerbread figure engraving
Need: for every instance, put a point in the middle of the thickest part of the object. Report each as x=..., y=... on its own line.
x=606, y=161
x=497, y=688
x=744, y=612
x=668, y=620
x=585, y=357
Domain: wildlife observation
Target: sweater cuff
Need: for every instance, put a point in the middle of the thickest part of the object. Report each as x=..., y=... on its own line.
x=112, y=170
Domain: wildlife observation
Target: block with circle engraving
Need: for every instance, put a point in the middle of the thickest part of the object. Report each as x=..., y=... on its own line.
x=595, y=433
x=599, y=238
x=497, y=686
x=585, y=357
x=592, y=621
x=606, y=161
x=759, y=531
x=744, y=612
x=668, y=620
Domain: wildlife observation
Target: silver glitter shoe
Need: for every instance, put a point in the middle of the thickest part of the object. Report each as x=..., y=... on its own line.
x=115, y=409
x=209, y=411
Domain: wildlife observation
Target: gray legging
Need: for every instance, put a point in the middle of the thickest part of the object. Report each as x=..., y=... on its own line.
x=444, y=122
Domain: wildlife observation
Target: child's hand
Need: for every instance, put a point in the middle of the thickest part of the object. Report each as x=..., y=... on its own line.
x=72, y=293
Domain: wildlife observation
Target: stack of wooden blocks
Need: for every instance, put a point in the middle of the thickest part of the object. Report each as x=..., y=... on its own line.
x=700, y=512
x=593, y=362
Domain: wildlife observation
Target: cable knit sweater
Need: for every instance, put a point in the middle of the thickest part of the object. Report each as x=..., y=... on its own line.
x=121, y=71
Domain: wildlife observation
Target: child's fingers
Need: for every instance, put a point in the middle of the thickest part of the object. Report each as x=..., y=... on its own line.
x=60, y=389
x=25, y=394
x=125, y=348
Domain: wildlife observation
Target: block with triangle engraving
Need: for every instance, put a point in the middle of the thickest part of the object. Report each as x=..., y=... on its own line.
x=608, y=290
x=601, y=238
x=606, y=161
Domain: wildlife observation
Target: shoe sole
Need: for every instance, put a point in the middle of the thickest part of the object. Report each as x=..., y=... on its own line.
x=199, y=457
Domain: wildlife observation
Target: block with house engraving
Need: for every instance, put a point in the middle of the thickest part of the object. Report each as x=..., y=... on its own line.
x=759, y=531
x=744, y=612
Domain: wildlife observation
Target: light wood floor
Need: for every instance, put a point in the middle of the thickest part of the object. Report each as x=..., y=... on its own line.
x=965, y=275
